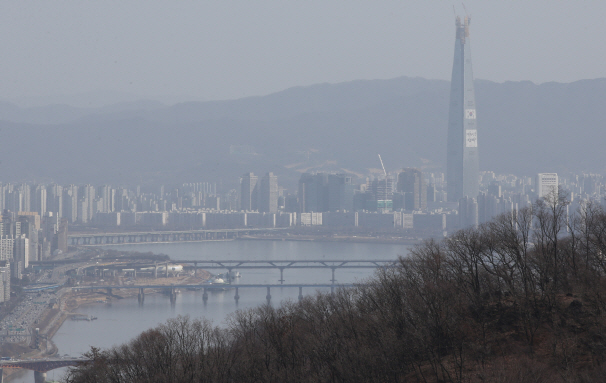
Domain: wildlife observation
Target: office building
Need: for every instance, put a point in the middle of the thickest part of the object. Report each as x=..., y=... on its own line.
x=313, y=193
x=248, y=192
x=21, y=252
x=268, y=194
x=412, y=184
x=340, y=192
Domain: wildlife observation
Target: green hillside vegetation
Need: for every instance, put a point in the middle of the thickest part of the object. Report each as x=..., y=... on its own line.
x=519, y=299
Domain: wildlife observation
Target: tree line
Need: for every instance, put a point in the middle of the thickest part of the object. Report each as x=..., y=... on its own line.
x=519, y=299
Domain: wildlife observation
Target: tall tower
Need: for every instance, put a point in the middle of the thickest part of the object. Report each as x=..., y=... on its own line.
x=463, y=166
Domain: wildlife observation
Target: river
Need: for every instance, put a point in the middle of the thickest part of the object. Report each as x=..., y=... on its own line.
x=124, y=319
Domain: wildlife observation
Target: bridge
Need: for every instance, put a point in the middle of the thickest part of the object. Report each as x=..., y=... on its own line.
x=39, y=366
x=98, y=239
x=231, y=265
x=172, y=289
x=332, y=264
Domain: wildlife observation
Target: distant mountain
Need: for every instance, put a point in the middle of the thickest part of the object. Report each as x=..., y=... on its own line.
x=85, y=100
x=524, y=128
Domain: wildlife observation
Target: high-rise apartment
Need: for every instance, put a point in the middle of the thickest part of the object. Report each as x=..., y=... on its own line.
x=547, y=183
x=462, y=156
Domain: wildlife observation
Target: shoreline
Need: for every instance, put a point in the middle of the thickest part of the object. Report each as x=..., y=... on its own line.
x=52, y=319
x=71, y=301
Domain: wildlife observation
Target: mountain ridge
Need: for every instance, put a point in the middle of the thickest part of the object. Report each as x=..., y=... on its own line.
x=524, y=128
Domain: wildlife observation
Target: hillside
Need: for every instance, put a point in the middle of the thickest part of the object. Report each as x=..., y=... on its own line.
x=483, y=305
x=524, y=128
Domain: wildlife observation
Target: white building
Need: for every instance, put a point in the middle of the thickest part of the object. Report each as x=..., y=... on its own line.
x=5, y=281
x=546, y=183
x=22, y=250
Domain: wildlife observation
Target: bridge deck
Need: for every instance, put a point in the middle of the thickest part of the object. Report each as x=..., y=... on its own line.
x=170, y=232
x=210, y=286
x=247, y=264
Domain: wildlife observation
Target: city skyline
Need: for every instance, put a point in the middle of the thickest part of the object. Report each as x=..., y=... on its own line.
x=183, y=152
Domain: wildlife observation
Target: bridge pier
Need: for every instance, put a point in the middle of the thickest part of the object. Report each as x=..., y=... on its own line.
x=205, y=296
x=268, y=296
x=166, y=269
x=141, y=296
x=135, y=273
x=155, y=270
x=300, y=293
x=236, y=297
x=173, y=296
x=109, y=291
x=39, y=377
x=281, y=275
x=333, y=280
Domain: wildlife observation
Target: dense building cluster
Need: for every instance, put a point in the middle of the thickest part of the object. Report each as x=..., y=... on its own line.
x=35, y=217
x=26, y=236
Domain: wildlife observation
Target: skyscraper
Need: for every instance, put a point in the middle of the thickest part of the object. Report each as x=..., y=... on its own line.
x=313, y=193
x=268, y=194
x=462, y=157
x=248, y=192
x=412, y=183
x=340, y=192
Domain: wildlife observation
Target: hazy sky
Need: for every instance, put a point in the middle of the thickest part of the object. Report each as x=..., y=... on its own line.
x=230, y=49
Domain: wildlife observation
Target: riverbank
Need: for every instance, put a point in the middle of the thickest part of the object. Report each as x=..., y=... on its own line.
x=67, y=305
x=76, y=299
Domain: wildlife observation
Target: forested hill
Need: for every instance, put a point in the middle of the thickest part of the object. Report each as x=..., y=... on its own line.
x=521, y=299
x=524, y=128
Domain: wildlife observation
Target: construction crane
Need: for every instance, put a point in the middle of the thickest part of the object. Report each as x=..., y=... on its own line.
x=383, y=166
x=467, y=15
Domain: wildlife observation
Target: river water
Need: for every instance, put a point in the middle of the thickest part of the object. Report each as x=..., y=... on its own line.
x=124, y=319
